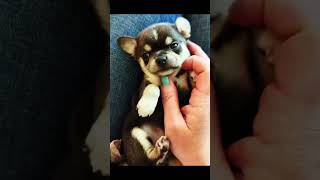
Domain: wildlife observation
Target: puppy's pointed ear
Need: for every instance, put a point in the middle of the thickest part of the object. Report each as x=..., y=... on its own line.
x=183, y=27
x=128, y=44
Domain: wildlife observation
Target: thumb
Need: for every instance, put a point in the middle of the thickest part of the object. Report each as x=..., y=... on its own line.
x=240, y=152
x=170, y=101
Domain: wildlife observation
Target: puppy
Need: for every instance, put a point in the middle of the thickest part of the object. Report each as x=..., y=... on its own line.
x=243, y=68
x=160, y=50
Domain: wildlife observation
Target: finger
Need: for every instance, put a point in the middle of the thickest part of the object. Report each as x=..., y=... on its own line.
x=218, y=159
x=196, y=50
x=247, y=12
x=276, y=15
x=185, y=109
x=172, y=114
x=241, y=152
x=202, y=70
x=196, y=64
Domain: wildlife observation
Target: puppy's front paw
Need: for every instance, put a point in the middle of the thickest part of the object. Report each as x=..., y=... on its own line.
x=146, y=106
x=192, y=79
x=148, y=102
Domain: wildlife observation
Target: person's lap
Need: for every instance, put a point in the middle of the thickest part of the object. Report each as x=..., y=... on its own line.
x=125, y=75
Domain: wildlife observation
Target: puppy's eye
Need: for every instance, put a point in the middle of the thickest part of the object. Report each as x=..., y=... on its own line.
x=145, y=56
x=174, y=45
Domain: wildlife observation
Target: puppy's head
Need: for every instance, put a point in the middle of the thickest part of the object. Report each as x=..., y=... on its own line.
x=160, y=48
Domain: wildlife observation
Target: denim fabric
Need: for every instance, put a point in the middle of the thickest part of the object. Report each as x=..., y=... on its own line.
x=200, y=30
x=49, y=53
x=125, y=74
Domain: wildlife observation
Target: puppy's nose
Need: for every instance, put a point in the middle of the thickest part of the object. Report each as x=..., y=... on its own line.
x=161, y=61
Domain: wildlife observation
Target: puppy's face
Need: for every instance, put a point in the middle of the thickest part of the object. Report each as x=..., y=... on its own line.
x=161, y=48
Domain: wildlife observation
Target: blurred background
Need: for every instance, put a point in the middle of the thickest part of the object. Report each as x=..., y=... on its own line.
x=52, y=86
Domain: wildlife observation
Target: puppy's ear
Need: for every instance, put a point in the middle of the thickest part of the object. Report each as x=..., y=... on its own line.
x=183, y=27
x=128, y=44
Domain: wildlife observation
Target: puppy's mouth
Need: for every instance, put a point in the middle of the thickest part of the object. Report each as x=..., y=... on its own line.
x=167, y=71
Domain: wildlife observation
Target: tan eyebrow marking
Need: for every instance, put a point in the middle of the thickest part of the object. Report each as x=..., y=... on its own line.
x=168, y=40
x=155, y=34
x=147, y=47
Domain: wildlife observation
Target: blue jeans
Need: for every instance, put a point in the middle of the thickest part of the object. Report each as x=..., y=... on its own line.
x=125, y=74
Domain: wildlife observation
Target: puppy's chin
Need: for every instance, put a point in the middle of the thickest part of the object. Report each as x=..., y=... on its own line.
x=166, y=72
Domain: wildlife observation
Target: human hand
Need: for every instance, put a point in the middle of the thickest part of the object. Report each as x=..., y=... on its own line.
x=286, y=130
x=189, y=129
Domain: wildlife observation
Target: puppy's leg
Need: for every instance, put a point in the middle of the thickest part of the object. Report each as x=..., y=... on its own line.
x=115, y=151
x=148, y=101
x=182, y=81
x=192, y=79
x=153, y=152
x=266, y=42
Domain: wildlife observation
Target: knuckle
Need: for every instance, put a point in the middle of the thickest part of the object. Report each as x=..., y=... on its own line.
x=173, y=128
x=167, y=97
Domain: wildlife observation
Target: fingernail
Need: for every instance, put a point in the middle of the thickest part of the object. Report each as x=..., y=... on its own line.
x=165, y=80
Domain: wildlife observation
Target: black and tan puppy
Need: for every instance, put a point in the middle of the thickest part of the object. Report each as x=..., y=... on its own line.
x=160, y=50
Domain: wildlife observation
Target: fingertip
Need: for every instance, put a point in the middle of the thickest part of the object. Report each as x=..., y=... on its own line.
x=165, y=81
x=187, y=65
x=185, y=109
x=195, y=49
x=241, y=152
x=168, y=87
x=247, y=12
x=196, y=63
x=191, y=44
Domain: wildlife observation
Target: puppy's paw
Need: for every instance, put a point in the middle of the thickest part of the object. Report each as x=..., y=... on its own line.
x=192, y=78
x=146, y=106
x=148, y=102
x=115, y=151
x=266, y=44
x=163, y=144
x=182, y=82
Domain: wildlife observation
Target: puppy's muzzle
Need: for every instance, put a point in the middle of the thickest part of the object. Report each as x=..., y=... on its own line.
x=162, y=61
x=165, y=62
